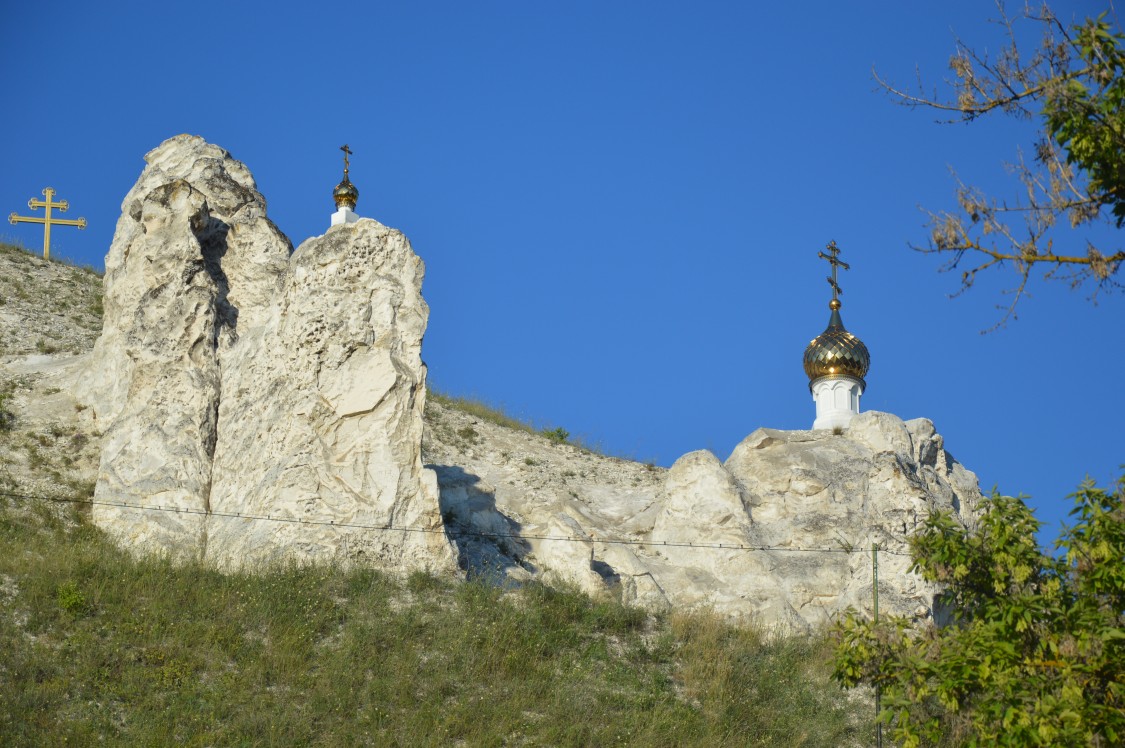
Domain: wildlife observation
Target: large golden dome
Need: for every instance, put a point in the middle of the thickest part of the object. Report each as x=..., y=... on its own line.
x=836, y=352
x=345, y=194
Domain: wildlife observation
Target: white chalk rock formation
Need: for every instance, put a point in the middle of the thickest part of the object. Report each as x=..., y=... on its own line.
x=234, y=379
x=822, y=500
x=782, y=532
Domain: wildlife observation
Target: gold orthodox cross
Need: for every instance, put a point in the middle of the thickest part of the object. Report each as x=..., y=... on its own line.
x=47, y=220
x=836, y=262
x=347, y=152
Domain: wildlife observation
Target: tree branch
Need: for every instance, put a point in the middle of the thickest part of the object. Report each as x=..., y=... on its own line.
x=1074, y=83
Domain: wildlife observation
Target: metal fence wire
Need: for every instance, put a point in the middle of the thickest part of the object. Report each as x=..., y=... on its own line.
x=441, y=529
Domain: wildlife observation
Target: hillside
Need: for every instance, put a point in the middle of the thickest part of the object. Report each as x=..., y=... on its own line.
x=50, y=316
x=50, y=313
x=46, y=307
x=265, y=404
x=102, y=647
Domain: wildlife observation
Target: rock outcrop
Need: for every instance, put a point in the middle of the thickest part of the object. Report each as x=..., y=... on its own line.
x=236, y=379
x=821, y=500
x=233, y=377
x=796, y=513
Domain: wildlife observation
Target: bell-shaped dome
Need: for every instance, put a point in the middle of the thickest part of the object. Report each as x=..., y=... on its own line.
x=836, y=352
x=345, y=194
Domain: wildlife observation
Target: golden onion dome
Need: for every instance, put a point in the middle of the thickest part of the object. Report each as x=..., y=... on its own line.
x=345, y=194
x=836, y=352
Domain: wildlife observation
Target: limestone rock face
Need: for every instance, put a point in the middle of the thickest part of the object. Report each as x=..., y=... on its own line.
x=821, y=500
x=232, y=378
x=237, y=379
x=781, y=532
x=842, y=493
x=325, y=417
x=708, y=503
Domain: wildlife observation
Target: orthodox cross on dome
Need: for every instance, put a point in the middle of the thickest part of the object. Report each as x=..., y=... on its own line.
x=347, y=152
x=836, y=361
x=47, y=220
x=346, y=194
x=834, y=259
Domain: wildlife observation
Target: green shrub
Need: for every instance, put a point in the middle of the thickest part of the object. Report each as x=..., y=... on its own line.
x=7, y=417
x=557, y=435
x=1036, y=656
x=71, y=599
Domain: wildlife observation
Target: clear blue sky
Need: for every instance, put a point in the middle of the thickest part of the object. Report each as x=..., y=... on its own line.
x=619, y=204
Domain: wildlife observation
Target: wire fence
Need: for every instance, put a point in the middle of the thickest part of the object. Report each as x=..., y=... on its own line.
x=460, y=532
x=454, y=531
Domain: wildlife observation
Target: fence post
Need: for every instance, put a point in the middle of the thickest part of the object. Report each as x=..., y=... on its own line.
x=875, y=596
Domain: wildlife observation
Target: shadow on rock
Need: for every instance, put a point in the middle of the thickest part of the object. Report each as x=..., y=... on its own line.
x=487, y=541
x=212, y=236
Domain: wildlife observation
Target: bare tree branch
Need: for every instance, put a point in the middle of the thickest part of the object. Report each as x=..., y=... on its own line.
x=1073, y=82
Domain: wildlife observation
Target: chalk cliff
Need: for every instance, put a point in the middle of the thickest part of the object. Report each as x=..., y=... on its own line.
x=815, y=500
x=233, y=377
x=236, y=377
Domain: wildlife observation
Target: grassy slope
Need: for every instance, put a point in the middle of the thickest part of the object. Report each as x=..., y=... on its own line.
x=47, y=307
x=98, y=647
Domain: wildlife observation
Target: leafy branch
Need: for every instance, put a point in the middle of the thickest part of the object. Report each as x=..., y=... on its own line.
x=1036, y=653
x=1074, y=82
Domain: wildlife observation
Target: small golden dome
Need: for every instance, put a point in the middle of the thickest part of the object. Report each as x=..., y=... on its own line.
x=345, y=194
x=836, y=352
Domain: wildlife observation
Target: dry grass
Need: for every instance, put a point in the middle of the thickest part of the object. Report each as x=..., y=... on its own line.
x=489, y=412
x=497, y=414
x=100, y=648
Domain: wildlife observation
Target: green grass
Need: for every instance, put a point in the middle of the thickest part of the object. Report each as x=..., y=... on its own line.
x=96, y=308
x=7, y=417
x=44, y=347
x=100, y=648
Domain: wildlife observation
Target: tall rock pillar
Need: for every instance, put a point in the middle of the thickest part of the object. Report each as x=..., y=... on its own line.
x=259, y=404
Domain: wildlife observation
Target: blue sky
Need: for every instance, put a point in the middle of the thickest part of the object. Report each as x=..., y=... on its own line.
x=619, y=204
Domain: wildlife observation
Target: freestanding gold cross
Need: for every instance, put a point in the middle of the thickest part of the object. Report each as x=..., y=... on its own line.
x=834, y=259
x=47, y=220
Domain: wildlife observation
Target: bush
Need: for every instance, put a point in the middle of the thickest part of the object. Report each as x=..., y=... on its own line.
x=1036, y=655
x=7, y=417
x=71, y=599
x=558, y=435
